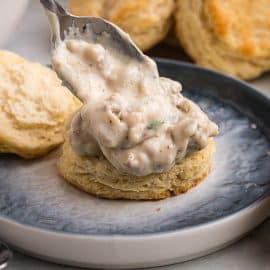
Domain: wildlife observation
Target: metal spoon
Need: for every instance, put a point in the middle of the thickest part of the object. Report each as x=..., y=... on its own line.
x=90, y=29
x=5, y=255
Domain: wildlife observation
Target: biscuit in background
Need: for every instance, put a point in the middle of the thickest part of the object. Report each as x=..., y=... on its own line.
x=230, y=36
x=34, y=107
x=147, y=22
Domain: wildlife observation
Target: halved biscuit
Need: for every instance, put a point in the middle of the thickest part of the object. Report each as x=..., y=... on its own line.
x=230, y=36
x=34, y=107
x=98, y=177
x=147, y=22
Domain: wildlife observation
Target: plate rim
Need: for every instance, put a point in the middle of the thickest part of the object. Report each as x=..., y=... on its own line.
x=242, y=83
x=142, y=235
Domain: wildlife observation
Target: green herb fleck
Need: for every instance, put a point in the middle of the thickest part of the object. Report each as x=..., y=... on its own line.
x=155, y=124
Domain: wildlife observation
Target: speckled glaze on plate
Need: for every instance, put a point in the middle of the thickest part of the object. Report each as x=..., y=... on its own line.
x=34, y=200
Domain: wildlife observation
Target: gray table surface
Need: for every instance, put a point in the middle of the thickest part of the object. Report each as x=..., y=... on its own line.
x=31, y=40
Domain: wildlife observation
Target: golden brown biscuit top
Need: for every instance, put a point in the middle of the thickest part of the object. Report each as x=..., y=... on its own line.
x=243, y=25
x=32, y=95
x=136, y=17
x=128, y=14
x=87, y=8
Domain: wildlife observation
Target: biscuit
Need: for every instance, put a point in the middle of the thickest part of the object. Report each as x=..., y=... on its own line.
x=34, y=107
x=230, y=36
x=147, y=22
x=98, y=177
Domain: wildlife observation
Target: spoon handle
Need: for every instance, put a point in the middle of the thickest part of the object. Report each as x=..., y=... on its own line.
x=53, y=6
x=5, y=255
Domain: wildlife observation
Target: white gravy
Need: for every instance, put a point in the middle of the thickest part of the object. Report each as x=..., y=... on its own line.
x=139, y=121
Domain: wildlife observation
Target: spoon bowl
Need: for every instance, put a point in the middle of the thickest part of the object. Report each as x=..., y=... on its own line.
x=90, y=29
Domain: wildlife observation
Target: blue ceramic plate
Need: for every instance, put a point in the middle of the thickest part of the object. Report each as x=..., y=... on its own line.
x=34, y=197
